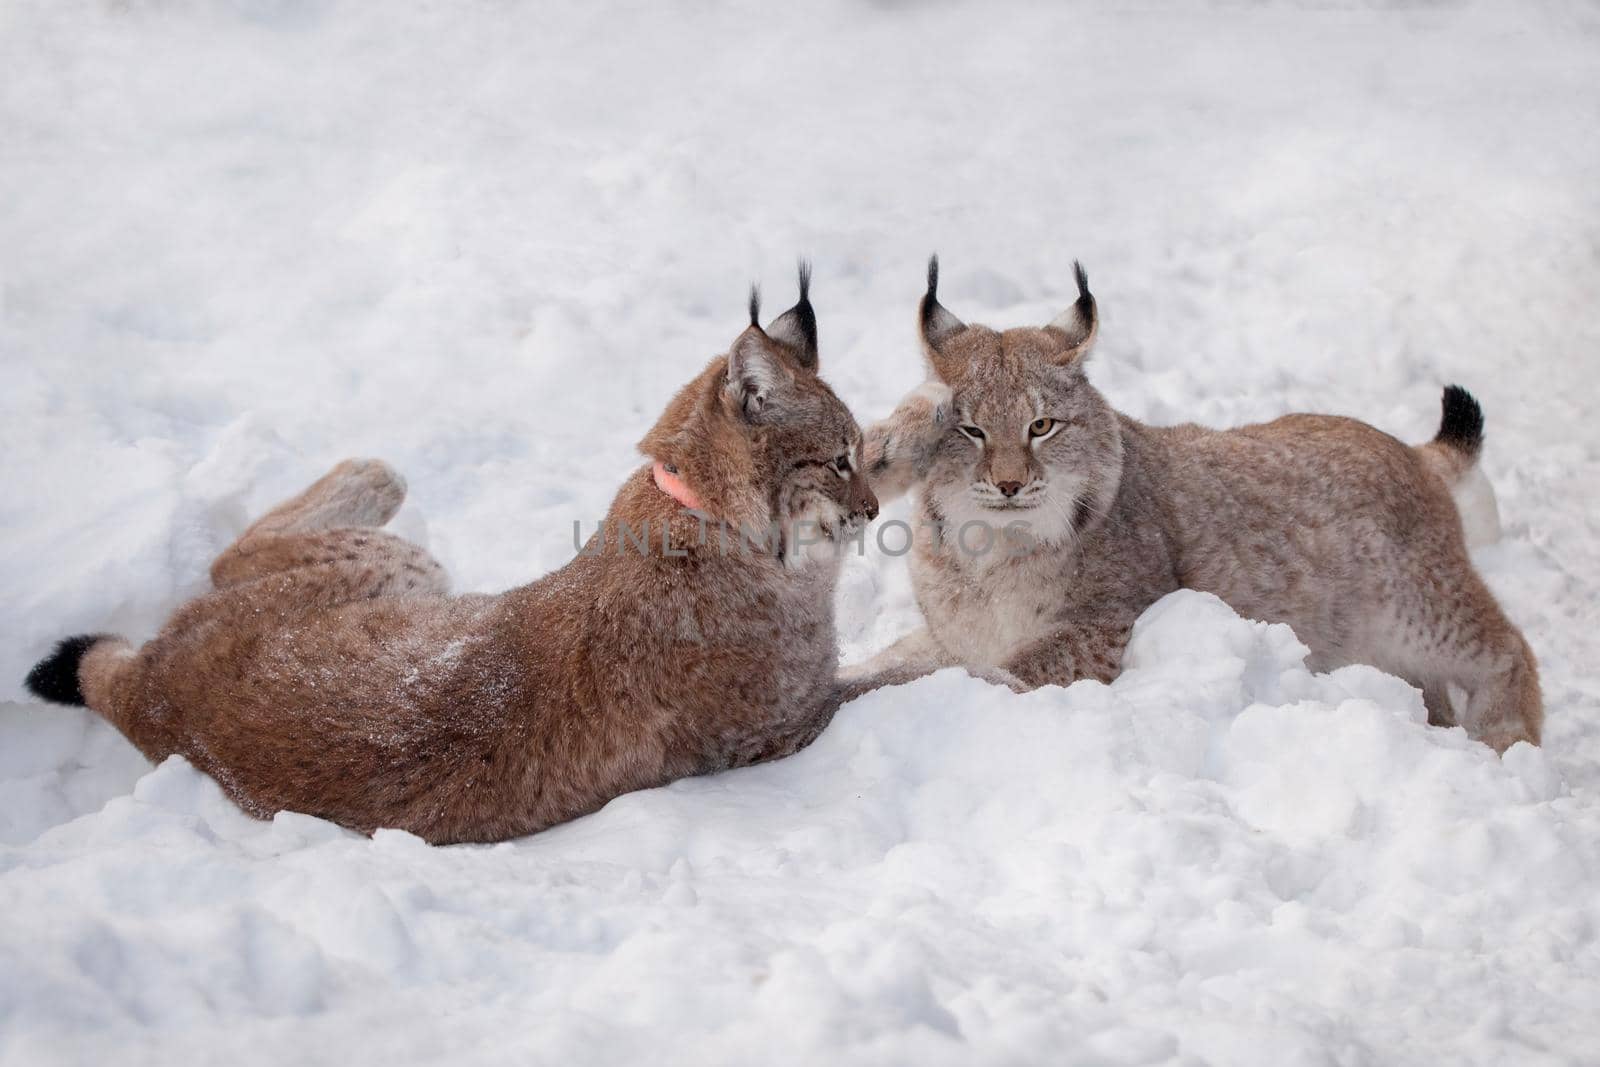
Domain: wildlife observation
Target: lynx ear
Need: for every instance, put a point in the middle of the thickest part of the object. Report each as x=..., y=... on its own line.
x=1078, y=325
x=797, y=327
x=755, y=368
x=938, y=325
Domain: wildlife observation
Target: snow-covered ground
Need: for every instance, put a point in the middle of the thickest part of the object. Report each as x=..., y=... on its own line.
x=242, y=239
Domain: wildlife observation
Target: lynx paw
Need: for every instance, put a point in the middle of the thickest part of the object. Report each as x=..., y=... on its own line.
x=373, y=491
x=928, y=404
x=356, y=492
x=1000, y=676
x=916, y=424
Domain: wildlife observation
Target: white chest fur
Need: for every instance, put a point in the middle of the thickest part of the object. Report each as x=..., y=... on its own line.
x=985, y=610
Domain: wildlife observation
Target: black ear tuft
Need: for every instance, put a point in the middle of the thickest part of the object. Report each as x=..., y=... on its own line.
x=938, y=325
x=797, y=327
x=1079, y=324
x=755, y=304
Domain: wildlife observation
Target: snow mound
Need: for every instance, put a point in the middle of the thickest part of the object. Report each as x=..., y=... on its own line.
x=1219, y=855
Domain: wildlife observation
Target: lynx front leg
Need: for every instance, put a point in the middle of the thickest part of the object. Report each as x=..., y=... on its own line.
x=899, y=449
x=1079, y=650
x=917, y=653
x=792, y=737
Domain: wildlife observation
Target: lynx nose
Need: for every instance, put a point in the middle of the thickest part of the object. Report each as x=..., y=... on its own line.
x=862, y=502
x=1009, y=488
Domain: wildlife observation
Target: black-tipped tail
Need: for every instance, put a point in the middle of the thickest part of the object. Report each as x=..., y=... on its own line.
x=55, y=678
x=1461, y=421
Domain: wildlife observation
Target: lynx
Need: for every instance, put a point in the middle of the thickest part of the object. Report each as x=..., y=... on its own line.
x=1327, y=524
x=330, y=673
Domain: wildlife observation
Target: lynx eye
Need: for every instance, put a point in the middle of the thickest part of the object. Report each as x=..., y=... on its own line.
x=972, y=432
x=841, y=464
x=1042, y=428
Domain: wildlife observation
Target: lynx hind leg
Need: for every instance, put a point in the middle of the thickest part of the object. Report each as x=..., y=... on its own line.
x=352, y=563
x=1461, y=643
x=1437, y=698
x=1507, y=706
x=355, y=493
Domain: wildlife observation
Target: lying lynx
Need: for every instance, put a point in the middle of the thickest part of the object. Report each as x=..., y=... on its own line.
x=1327, y=524
x=329, y=672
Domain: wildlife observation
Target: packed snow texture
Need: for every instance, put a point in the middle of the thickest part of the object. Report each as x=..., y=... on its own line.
x=241, y=240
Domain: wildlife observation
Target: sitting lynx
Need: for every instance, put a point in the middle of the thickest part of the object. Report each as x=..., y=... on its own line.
x=329, y=672
x=1329, y=525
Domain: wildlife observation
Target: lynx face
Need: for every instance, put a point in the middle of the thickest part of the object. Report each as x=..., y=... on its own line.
x=1029, y=442
x=810, y=463
x=766, y=441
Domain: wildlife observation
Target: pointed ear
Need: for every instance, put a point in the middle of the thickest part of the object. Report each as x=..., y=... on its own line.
x=797, y=327
x=755, y=368
x=1077, y=326
x=938, y=325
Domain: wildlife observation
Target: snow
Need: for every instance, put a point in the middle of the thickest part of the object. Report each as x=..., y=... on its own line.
x=242, y=240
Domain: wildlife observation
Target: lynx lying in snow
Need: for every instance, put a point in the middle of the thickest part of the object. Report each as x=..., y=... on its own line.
x=1324, y=523
x=329, y=673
